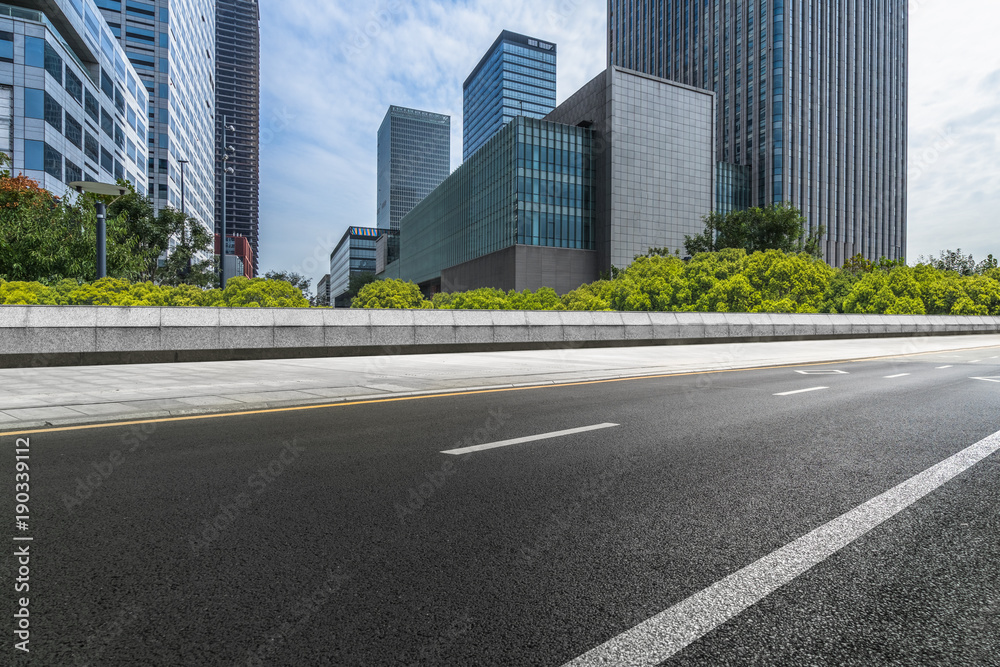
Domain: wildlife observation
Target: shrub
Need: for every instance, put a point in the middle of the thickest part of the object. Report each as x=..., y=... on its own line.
x=391, y=293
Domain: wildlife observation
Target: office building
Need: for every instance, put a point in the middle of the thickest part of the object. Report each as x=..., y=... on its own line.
x=812, y=98
x=414, y=157
x=237, y=98
x=239, y=256
x=354, y=254
x=171, y=44
x=516, y=77
x=70, y=106
x=323, y=291
x=624, y=165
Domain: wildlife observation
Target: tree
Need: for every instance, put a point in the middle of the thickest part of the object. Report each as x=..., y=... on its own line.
x=775, y=227
x=357, y=281
x=390, y=293
x=952, y=260
x=296, y=280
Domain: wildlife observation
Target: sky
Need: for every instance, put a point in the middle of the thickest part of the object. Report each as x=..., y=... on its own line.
x=330, y=70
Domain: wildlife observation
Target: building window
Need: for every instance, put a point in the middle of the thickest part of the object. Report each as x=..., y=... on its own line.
x=119, y=136
x=120, y=101
x=140, y=9
x=74, y=131
x=73, y=172
x=73, y=86
x=34, y=155
x=53, y=162
x=7, y=47
x=6, y=118
x=113, y=5
x=119, y=170
x=53, y=63
x=107, y=124
x=34, y=103
x=92, y=106
x=92, y=148
x=107, y=85
x=34, y=51
x=53, y=112
x=107, y=161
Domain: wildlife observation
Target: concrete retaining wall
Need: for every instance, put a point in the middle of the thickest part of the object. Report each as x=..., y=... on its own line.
x=87, y=335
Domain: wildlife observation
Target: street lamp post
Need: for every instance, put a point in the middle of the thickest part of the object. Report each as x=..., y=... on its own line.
x=227, y=153
x=182, y=163
x=102, y=216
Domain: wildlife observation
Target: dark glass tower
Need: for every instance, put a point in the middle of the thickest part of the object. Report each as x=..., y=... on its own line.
x=516, y=77
x=237, y=97
x=414, y=157
x=812, y=96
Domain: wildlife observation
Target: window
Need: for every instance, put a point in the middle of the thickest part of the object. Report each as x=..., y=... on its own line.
x=74, y=131
x=140, y=34
x=74, y=86
x=107, y=124
x=119, y=136
x=91, y=147
x=34, y=155
x=34, y=103
x=130, y=117
x=140, y=9
x=119, y=170
x=141, y=60
x=73, y=172
x=119, y=101
x=34, y=51
x=92, y=106
x=7, y=47
x=53, y=112
x=107, y=85
x=113, y=5
x=53, y=63
x=53, y=162
x=107, y=161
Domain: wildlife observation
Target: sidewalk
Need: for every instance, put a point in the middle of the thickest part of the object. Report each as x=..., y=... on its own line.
x=31, y=398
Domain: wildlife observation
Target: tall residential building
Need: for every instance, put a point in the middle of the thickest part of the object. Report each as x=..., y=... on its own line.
x=812, y=97
x=70, y=106
x=414, y=157
x=237, y=98
x=171, y=44
x=516, y=77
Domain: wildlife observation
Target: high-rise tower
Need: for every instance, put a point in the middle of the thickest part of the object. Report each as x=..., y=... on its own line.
x=812, y=96
x=516, y=77
x=237, y=99
x=414, y=156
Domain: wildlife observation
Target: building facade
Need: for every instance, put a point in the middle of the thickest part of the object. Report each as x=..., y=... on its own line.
x=355, y=254
x=624, y=165
x=239, y=255
x=70, y=106
x=812, y=98
x=516, y=77
x=171, y=44
x=323, y=291
x=414, y=157
x=237, y=100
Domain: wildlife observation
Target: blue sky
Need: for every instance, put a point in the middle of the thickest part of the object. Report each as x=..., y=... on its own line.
x=329, y=71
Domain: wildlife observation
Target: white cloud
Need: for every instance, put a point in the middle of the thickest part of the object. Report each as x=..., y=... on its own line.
x=330, y=70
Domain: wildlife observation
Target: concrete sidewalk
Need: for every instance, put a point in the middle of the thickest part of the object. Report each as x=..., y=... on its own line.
x=31, y=398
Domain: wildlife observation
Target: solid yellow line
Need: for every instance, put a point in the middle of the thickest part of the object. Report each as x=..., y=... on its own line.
x=345, y=404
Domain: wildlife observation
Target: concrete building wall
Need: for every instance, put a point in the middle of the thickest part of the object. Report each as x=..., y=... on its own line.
x=524, y=267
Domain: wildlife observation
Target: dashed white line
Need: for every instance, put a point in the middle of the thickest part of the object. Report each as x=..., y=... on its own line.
x=941, y=368
x=669, y=632
x=893, y=377
x=530, y=438
x=987, y=379
x=801, y=391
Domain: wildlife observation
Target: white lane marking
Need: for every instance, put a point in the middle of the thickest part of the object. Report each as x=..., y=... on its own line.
x=893, y=377
x=822, y=372
x=976, y=361
x=530, y=438
x=987, y=379
x=941, y=368
x=801, y=391
x=666, y=634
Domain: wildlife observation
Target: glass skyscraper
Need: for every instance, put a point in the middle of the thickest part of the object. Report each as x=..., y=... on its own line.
x=516, y=77
x=414, y=157
x=171, y=44
x=237, y=98
x=812, y=97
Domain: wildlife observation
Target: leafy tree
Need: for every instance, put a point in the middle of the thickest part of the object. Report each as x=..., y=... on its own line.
x=893, y=293
x=263, y=293
x=775, y=227
x=358, y=281
x=952, y=260
x=296, y=280
x=484, y=298
x=594, y=296
x=390, y=293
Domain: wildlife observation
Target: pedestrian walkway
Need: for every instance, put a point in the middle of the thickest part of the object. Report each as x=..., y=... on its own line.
x=33, y=397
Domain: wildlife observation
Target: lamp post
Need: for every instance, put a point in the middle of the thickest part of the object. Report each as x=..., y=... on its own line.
x=182, y=163
x=227, y=153
x=102, y=216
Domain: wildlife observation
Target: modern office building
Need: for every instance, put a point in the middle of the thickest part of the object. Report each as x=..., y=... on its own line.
x=171, y=44
x=70, y=106
x=237, y=99
x=414, y=157
x=812, y=98
x=354, y=254
x=516, y=77
x=323, y=291
x=624, y=165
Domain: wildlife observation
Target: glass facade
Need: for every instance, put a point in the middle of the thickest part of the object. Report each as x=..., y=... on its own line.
x=65, y=71
x=531, y=184
x=732, y=187
x=171, y=45
x=516, y=77
x=812, y=97
x=237, y=97
x=414, y=157
x=353, y=255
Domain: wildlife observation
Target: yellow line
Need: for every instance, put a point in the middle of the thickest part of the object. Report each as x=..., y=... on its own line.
x=345, y=404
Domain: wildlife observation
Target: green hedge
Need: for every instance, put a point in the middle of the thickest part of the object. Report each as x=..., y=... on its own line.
x=239, y=293
x=733, y=281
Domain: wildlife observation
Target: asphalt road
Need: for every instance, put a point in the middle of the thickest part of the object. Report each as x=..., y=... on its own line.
x=344, y=536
